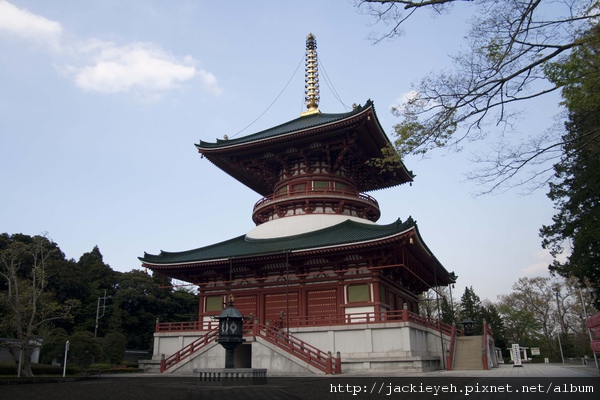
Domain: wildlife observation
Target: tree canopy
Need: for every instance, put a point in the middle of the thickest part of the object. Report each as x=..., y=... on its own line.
x=44, y=295
x=576, y=190
x=539, y=309
x=28, y=306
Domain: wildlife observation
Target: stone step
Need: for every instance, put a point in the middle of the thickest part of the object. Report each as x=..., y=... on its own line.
x=468, y=353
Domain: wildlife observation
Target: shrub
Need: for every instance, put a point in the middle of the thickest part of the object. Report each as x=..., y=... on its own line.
x=10, y=369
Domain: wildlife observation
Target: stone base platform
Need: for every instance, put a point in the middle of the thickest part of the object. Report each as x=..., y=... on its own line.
x=231, y=376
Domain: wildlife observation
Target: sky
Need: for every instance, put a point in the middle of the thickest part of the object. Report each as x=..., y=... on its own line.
x=101, y=103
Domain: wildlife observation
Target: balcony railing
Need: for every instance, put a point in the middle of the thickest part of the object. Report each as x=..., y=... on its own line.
x=316, y=192
x=326, y=320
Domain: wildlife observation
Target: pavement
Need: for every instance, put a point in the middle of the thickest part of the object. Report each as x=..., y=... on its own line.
x=541, y=381
x=527, y=370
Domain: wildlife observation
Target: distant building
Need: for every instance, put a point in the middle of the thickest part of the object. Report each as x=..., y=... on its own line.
x=5, y=355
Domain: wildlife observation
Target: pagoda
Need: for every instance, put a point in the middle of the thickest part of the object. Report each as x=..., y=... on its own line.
x=316, y=262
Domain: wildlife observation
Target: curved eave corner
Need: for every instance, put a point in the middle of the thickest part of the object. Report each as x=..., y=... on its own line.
x=408, y=174
x=450, y=276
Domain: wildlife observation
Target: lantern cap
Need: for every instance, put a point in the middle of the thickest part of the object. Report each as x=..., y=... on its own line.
x=231, y=311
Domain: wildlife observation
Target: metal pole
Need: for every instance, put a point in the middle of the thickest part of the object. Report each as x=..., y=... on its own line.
x=287, y=291
x=562, y=327
x=437, y=298
x=97, y=317
x=65, y=361
x=560, y=317
x=230, y=275
x=585, y=314
x=20, y=362
x=561, y=352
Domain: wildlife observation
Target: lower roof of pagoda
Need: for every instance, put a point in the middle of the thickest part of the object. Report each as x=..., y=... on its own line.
x=343, y=235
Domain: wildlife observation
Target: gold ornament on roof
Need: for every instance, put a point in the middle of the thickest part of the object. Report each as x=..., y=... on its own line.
x=311, y=77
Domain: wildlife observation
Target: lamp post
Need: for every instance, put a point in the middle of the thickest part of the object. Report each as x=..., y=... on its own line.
x=562, y=327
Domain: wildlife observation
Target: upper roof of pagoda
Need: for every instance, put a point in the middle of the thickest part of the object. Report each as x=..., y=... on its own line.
x=253, y=159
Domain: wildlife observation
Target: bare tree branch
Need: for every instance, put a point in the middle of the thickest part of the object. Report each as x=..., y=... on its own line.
x=511, y=45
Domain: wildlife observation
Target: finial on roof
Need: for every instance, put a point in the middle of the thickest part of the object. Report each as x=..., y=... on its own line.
x=311, y=77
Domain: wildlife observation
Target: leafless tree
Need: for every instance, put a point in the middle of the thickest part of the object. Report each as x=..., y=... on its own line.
x=510, y=47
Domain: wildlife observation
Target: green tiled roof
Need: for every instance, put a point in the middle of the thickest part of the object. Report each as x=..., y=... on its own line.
x=345, y=233
x=294, y=125
x=253, y=160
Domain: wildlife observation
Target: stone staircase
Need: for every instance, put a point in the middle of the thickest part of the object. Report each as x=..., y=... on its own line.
x=468, y=353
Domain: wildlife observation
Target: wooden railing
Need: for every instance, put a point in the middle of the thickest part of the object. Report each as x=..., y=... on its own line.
x=593, y=324
x=274, y=334
x=313, y=356
x=190, y=349
x=324, y=320
x=308, y=191
x=450, y=356
x=186, y=326
x=298, y=348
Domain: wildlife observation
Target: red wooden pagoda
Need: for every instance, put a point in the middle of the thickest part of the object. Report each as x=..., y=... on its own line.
x=316, y=256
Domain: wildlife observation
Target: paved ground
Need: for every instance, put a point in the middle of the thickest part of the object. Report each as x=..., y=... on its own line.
x=505, y=383
x=527, y=370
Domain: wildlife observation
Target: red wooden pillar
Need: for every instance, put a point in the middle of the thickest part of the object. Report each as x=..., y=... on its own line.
x=302, y=301
x=376, y=297
x=260, y=303
x=340, y=295
x=201, y=300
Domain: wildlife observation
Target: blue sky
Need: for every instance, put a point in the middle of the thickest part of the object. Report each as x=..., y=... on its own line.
x=101, y=103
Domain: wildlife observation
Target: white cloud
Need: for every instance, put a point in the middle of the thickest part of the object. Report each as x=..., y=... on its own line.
x=29, y=26
x=540, y=266
x=408, y=97
x=141, y=67
x=411, y=101
x=209, y=81
x=103, y=67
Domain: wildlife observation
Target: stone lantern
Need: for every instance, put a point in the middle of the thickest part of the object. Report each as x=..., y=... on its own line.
x=230, y=331
x=467, y=324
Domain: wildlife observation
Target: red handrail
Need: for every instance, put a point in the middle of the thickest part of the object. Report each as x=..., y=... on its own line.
x=315, y=357
x=188, y=350
x=450, y=357
x=324, y=320
x=348, y=193
x=294, y=346
x=593, y=323
x=487, y=332
x=300, y=349
x=186, y=326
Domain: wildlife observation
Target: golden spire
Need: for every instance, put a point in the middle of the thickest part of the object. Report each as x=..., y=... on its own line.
x=311, y=77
